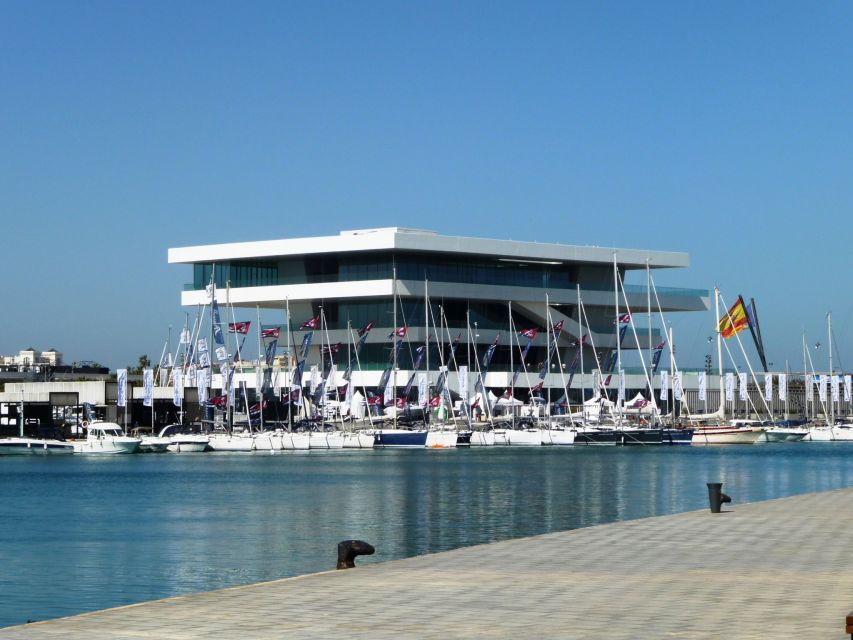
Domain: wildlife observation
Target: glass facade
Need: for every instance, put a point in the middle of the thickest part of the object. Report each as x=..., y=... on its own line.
x=435, y=267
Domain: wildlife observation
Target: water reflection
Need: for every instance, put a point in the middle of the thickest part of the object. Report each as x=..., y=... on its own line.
x=91, y=533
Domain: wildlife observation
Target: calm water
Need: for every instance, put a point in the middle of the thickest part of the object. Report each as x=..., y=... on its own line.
x=83, y=533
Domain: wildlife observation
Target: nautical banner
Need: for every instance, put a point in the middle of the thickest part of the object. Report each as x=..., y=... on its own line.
x=191, y=376
x=204, y=359
x=201, y=383
x=388, y=394
x=768, y=387
x=218, y=336
x=734, y=321
x=836, y=380
x=847, y=385
x=783, y=386
x=656, y=356
x=314, y=378
x=147, y=387
x=730, y=387
x=664, y=385
x=742, y=386
x=164, y=377
x=822, y=388
x=202, y=345
x=703, y=382
x=226, y=373
x=621, y=385
x=423, y=390
x=809, y=389
x=259, y=378
x=676, y=385
x=121, y=381
x=348, y=399
x=221, y=354
x=177, y=388
x=463, y=384
x=306, y=344
x=296, y=375
x=185, y=336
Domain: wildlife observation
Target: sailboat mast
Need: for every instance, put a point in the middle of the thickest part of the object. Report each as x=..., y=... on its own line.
x=259, y=390
x=719, y=351
x=618, y=345
x=830, y=380
x=511, y=366
x=394, y=342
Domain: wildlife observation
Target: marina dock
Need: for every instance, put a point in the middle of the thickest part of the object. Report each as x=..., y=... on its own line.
x=781, y=568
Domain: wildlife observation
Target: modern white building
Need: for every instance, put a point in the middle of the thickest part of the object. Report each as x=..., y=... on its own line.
x=473, y=286
x=33, y=358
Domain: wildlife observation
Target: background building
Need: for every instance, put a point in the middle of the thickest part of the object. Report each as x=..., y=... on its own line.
x=473, y=286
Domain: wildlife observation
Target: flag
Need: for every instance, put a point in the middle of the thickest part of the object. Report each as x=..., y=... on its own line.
x=423, y=390
x=239, y=327
x=463, y=383
x=273, y=332
x=218, y=338
x=664, y=384
x=332, y=348
x=400, y=333
x=507, y=394
x=848, y=382
x=435, y=402
x=783, y=384
x=836, y=380
x=536, y=388
x=742, y=385
x=676, y=385
x=201, y=382
x=311, y=324
x=366, y=328
x=768, y=387
x=625, y=317
x=529, y=333
x=178, y=388
x=656, y=356
x=147, y=387
x=121, y=381
x=621, y=392
x=218, y=401
x=730, y=386
x=306, y=344
x=734, y=321
x=702, y=386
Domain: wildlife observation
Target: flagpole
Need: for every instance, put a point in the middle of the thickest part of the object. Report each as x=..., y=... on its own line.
x=580, y=325
x=259, y=392
x=618, y=346
x=722, y=408
x=511, y=367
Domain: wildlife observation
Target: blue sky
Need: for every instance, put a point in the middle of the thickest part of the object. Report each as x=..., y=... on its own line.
x=720, y=129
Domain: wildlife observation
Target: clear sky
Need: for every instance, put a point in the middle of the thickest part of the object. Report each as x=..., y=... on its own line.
x=722, y=129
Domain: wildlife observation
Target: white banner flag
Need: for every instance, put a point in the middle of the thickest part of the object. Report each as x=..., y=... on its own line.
x=742, y=386
x=259, y=378
x=121, y=381
x=810, y=383
x=676, y=385
x=783, y=386
x=423, y=390
x=621, y=385
x=185, y=336
x=836, y=382
x=664, y=384
x=463, y=384
x=204, y=359
x=202, y=345
x=314, y=380
x=703, y=383
x=147, y=387
x=191, y=376
x=822, y=388
x=730, y=387
x=177, y=388
x=847, y=386
x=388, y=397
x=201, y=382
x=348, y=399
x=768, y=387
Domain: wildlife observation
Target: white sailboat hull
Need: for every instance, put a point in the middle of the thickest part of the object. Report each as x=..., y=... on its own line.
x=524, y=437
x=326, y=440
x=223, y=442
x=482, y=438
x=558, y=437
x=441, y=439
x=358, y=440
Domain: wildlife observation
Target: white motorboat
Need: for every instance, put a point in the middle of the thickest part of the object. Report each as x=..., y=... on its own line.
x=783, y=434
x=153, y=444
x=838, y=433
x=184, y=438
x=107, y=438
x=726, y=434
x=34, y=446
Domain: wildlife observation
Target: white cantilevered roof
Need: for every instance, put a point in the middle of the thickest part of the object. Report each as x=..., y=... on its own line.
x=396, y=238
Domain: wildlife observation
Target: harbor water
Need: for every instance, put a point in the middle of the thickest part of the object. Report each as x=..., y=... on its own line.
x=82, y=533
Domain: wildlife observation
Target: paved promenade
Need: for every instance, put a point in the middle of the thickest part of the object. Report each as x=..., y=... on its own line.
x=777, y=569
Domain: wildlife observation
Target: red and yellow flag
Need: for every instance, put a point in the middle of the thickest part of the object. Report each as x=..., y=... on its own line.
x=734, y=321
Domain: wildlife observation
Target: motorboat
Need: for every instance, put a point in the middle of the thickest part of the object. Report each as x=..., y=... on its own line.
x=34, y=446
x=106, y=438
x=184, y=439
x=727, y=434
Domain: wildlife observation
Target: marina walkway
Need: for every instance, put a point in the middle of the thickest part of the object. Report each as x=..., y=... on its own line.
x=781, y=569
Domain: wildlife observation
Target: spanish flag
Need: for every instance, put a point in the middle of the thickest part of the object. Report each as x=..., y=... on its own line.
x=734, y=321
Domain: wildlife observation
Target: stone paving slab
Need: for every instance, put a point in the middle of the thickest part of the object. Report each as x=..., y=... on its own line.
x=781, y=568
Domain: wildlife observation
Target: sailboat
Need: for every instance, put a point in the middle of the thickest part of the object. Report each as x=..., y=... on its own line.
x=732, y=323
x=835, y=430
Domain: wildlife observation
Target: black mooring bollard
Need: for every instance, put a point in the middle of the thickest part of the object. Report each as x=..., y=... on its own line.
x=716, y=496
x=349, y=549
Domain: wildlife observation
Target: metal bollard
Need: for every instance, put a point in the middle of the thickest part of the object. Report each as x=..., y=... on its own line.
x=349, y=549
x=716, y=496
